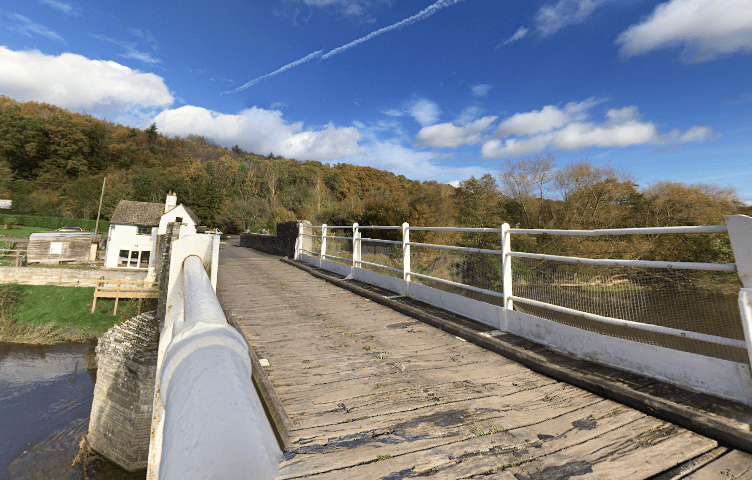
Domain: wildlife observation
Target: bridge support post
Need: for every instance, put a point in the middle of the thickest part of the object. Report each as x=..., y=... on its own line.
x=356, y=246
x=406, y=254
x=506, y=266
x=323, y=246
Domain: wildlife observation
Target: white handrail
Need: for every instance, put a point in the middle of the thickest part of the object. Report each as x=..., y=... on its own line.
x=208, y=419
x=714, y=267
x=624, y=231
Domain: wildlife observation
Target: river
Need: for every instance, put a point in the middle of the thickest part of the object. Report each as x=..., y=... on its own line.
x=45, y=401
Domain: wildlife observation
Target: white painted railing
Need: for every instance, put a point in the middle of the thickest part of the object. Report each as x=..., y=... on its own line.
x=724, y=377
x=208, y=420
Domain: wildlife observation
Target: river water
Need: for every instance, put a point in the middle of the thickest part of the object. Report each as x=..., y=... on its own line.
x=45, y=401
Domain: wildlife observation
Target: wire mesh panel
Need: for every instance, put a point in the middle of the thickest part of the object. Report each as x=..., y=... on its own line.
x=311, y=240
x=694, y=301
x=339, y=246
x=478, y=270
x=380, y=254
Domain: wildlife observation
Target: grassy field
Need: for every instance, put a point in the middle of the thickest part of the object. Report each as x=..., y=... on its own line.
x=49, y=314
x=21, y=231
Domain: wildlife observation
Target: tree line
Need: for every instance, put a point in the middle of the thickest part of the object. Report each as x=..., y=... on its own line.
x=53, y=161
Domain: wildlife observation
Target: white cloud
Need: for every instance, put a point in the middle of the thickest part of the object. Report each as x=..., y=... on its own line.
x=425, y=111
x=67, y=8
x=129, y=49
x=348, y=7
x=545, y=119
x=78, y=83
x=480, y=90
x=580, y=135
x=514, y=147
x=392, y=156
x=569, y=129
x=447, y=135
x=259, y=130
x=518, y=35
x=393, y=113
x=469, y=115
x=553, y=17
x=704, y=29
x=693, y=134
x=26, y=26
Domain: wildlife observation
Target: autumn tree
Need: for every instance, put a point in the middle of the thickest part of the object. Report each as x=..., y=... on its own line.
x=527, y=182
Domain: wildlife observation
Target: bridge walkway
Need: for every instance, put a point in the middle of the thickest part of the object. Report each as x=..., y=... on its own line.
x=367, y=392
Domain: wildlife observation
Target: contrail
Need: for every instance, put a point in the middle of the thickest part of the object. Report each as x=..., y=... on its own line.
x=404, y=23
x=423, y=14
x=276, y=72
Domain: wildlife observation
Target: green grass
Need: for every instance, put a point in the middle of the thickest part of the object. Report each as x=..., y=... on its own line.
x=21, y=231
x=45, y=314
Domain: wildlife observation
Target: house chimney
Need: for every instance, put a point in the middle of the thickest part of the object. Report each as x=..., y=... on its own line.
x=171, y=202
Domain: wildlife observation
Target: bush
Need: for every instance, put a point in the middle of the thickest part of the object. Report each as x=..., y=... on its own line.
x=9, y=221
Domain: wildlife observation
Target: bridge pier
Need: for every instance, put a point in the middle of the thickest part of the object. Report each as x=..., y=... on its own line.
x=120, y=422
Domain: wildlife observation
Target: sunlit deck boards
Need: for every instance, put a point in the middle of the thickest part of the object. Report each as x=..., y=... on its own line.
x=375, y=394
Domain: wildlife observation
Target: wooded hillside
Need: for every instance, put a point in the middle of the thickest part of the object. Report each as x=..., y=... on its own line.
x=52, y=163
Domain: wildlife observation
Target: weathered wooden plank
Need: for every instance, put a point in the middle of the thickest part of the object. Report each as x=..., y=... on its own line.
x=610, y=442
x=734, y=465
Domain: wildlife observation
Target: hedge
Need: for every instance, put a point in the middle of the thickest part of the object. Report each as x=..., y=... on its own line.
x=54, y=223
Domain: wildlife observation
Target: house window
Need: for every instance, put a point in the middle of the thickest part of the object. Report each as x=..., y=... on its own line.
x=134, y=258
x=179, y=219
x=144, y=230
x=123, y=258
x=144, y=262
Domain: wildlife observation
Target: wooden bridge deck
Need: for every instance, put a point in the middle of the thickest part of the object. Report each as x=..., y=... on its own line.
x=372, y=393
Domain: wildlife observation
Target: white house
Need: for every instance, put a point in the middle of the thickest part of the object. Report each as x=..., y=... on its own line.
x=132, y=238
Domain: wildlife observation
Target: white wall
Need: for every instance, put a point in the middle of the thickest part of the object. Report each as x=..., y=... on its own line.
x=126, y=237
x=170, y=216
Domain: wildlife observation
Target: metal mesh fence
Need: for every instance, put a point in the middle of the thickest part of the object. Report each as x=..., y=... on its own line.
x=702, y=302
x=386, y=254
x=311, y=245
x=694, y=301
x=339, y=246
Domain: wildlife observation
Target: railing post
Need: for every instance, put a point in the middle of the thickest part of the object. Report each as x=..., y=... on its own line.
x=506, y=265
x=745, y=308
x=356, y=246
x=406, y=252
x=299, y=242
x=740, y=234
x=323, y=246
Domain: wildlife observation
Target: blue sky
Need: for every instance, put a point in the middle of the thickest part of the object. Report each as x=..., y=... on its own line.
x=433, y=90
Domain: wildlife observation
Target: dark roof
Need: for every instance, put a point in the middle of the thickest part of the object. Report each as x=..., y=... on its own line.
x=138, y=213
x=190, y=213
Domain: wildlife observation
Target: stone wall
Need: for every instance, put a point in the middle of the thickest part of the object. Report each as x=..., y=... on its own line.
x=283, y=243
x=260, y=242
x=120, y=421
x=66, y=277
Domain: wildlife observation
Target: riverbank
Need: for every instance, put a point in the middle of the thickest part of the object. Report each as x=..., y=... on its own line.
x=47, y=314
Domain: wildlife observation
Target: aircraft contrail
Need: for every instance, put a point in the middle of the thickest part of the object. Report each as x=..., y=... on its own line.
x=404, y=23
x=423, y=14
x=276, y=72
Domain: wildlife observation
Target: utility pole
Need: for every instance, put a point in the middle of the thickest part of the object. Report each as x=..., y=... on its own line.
x=96, y=226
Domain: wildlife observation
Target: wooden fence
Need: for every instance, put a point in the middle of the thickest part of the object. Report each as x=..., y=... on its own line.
x=118, y=289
